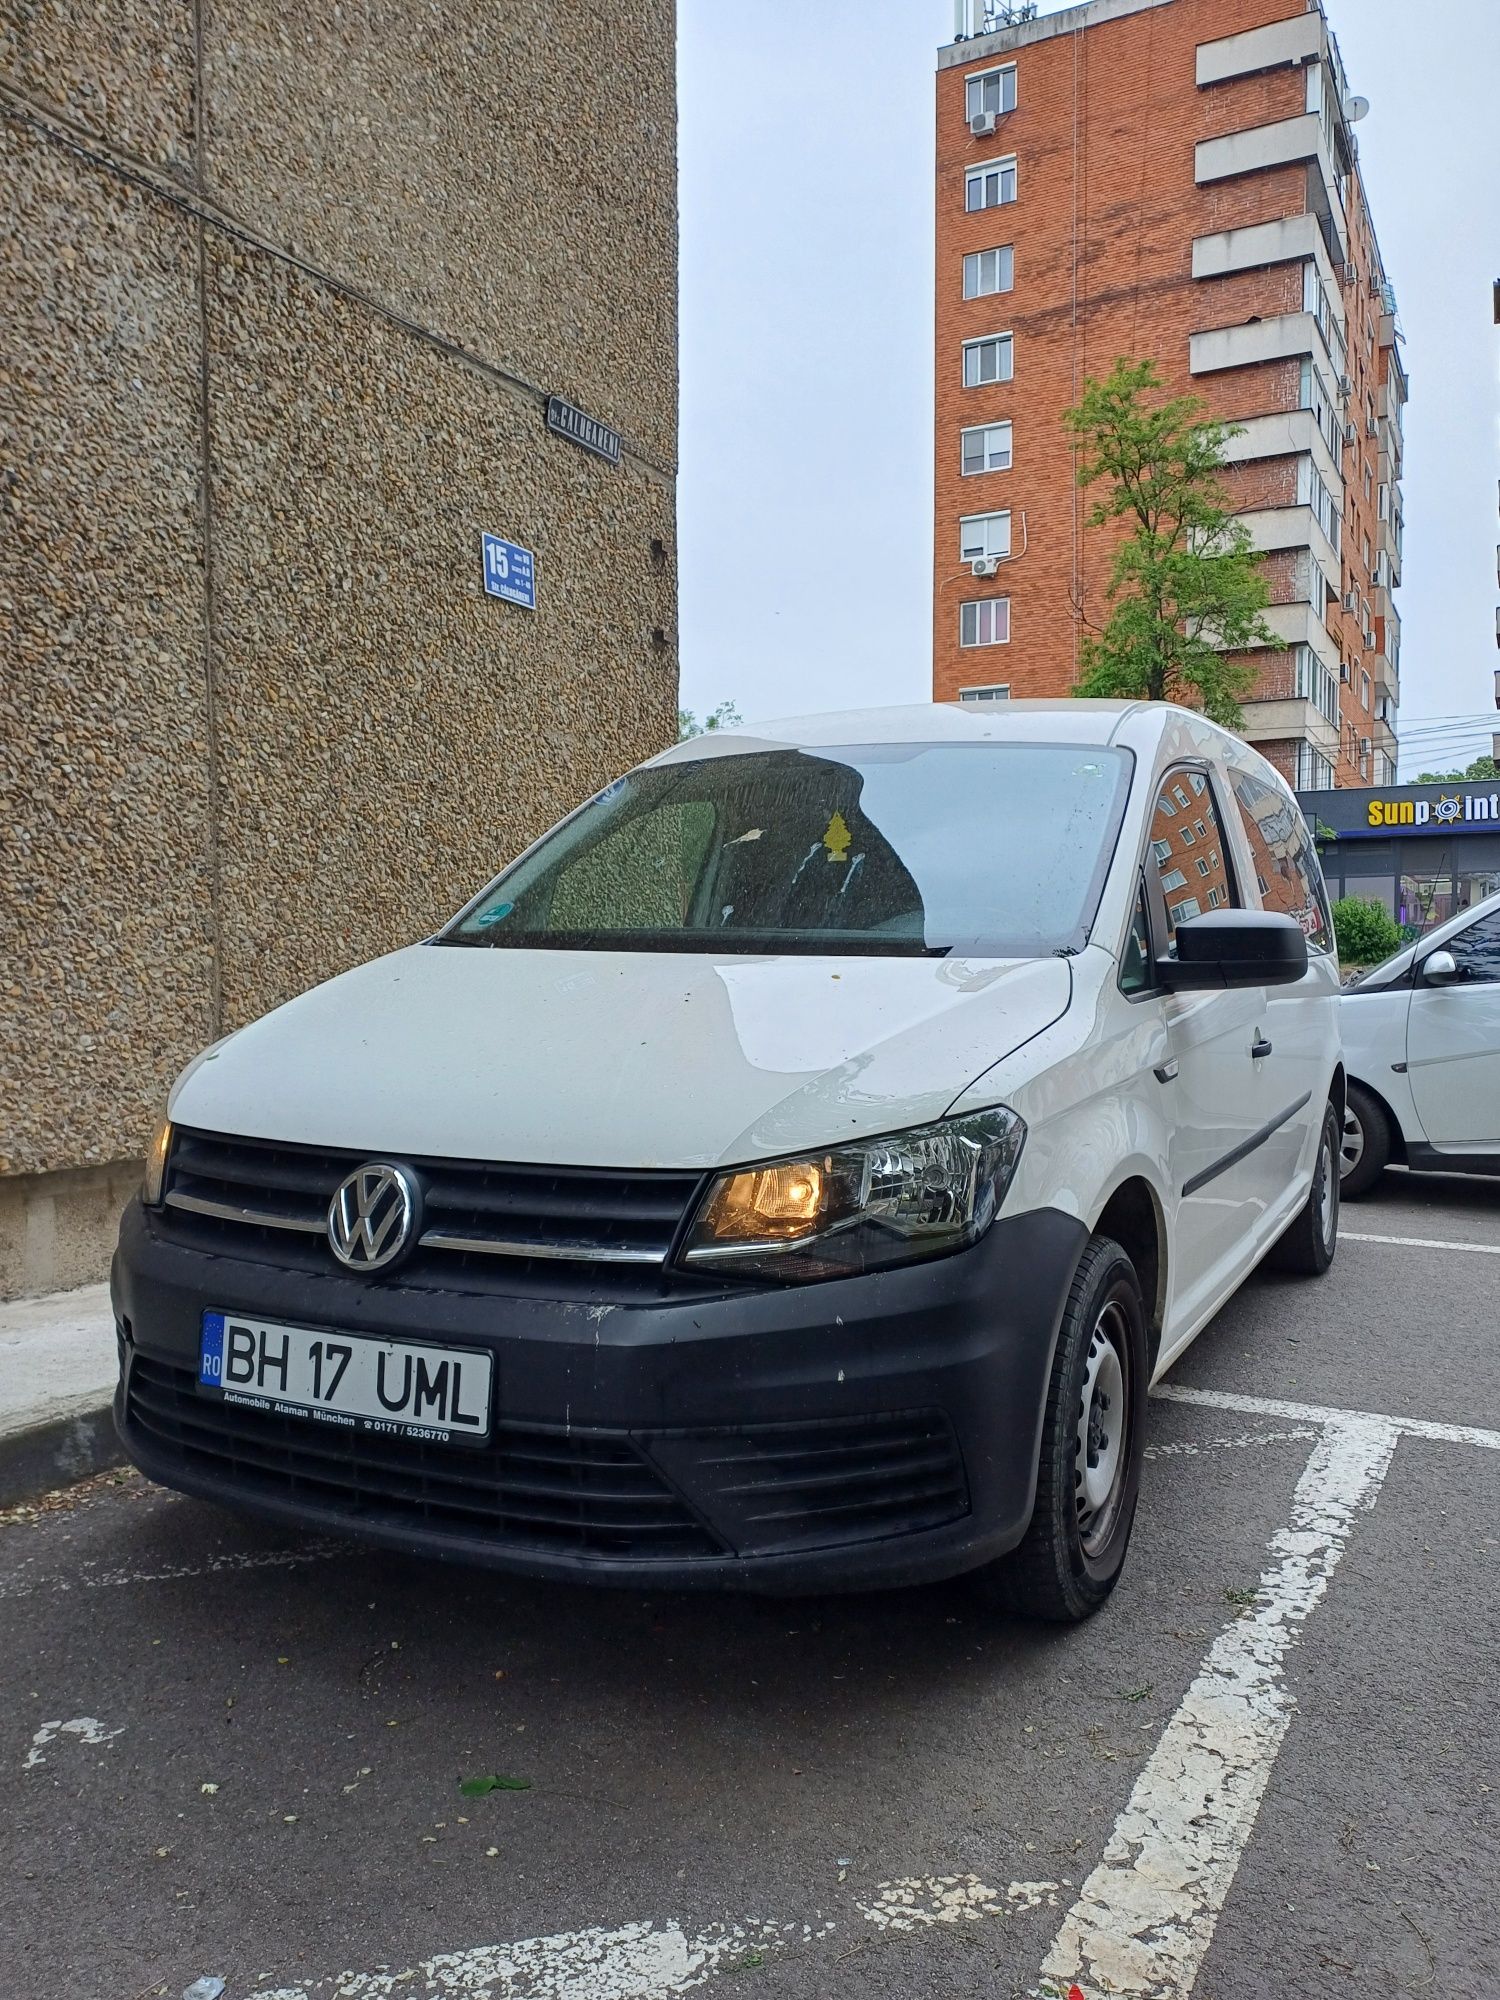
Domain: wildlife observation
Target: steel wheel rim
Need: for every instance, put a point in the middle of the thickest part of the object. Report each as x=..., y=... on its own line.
x=1351, y=1145
x=1328, y=1193
x=1103, y=1421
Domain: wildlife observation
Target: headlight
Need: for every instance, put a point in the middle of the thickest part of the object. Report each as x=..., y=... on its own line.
x=156, y=1164
x=878, y=1202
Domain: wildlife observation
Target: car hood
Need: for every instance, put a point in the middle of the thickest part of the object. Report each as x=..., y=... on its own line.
x=617, y=1059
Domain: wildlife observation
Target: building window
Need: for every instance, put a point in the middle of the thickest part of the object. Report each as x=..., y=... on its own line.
x=991, y=185
x=986, y=623
x=989, y=271
x=981, y=535
x=1313, y=682
x=992, y=91
x=1163, y=849
x=1204, y=867
x=985, y=693
x=1314, y=772
x=992, y=359
x=1189, y=838
x=1364, y=687
x=985, y=448
x=1318, y=397
x=1173, y=879
x=1311, y=492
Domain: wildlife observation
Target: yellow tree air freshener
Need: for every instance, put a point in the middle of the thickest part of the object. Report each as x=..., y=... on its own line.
x=837, y=837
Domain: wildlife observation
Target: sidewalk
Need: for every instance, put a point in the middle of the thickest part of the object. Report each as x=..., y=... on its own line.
x=57, y=1375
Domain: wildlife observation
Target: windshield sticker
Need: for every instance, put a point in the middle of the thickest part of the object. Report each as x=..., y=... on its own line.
x=495, y=914
x=837, y=837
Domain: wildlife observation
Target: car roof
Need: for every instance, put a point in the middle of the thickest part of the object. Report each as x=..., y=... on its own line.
x=1091, y=722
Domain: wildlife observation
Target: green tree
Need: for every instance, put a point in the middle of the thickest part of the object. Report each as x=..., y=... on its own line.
x=1365, y=931
x=725, y=716
x=1185, y=585
x=1482, y=767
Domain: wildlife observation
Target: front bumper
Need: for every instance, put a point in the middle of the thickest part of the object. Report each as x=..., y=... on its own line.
x=873, y=1430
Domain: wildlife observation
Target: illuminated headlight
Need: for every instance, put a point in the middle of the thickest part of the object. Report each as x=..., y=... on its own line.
x=878, y=1202
x=156, y=1164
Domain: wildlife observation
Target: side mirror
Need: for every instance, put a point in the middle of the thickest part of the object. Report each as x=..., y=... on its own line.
x=1235, y=948
x=1439, y=968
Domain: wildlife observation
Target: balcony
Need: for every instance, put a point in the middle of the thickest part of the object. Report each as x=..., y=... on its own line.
x=1290, y=719
x=1300, y=141
x=1286, y=336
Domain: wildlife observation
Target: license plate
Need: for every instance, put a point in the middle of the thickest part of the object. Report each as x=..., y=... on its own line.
x=392, y=1387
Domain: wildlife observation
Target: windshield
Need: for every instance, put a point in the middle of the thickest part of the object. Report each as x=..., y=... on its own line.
x=988, y=850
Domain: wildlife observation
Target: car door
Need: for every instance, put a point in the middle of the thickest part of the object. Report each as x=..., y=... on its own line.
x=1297, y=1028
x=1215, y=1106
x=1453, y=1044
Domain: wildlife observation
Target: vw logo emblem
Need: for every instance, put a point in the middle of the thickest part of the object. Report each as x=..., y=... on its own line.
x=372, y=1217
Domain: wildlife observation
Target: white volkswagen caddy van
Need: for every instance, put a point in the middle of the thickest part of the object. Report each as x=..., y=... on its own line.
x=789, y=1174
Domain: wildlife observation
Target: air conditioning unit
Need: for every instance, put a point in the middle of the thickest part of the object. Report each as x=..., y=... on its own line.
x=1370, y=641
x=1365, y=746
x=984, y=565
x=1346, y=673
x=1371, y=429
x=983, y=123
x=1351, y=432
x=1346, y=387
x=1351, y=600
x=1351, y=273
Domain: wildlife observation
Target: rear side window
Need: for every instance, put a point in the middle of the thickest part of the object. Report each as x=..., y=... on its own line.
x=1188, y=844
x=1476, y=951
x=1286, y=864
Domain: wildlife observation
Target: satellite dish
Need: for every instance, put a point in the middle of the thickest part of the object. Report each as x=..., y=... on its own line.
x=1356, y=108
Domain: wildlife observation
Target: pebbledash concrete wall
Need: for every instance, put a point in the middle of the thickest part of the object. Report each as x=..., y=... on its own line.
x=283, y=291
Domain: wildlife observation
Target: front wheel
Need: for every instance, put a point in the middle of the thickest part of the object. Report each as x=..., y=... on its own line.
x=1309, y=1244
x=1366, y=1148
x=1088, y=1475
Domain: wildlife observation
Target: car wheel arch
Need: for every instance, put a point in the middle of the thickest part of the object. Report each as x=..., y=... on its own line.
x=1393, y=1122
x=1134, y=1217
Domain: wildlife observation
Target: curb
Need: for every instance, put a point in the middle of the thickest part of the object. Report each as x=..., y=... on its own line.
x=60, y=1453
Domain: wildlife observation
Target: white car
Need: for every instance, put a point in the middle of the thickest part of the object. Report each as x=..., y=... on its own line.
x=788, y=1174
x=1422, y=1048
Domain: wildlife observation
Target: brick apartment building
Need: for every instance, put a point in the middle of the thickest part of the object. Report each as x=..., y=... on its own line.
x=1175, y=180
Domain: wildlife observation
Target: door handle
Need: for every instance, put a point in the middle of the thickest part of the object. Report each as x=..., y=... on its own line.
x=1260, y=1047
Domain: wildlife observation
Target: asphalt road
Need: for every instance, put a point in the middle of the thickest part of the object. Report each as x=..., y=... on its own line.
x=226, y=1751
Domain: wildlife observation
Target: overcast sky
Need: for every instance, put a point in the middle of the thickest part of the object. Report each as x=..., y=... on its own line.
x=805, y=502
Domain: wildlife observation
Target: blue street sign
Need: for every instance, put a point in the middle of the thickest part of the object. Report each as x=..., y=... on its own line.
x=509, y=571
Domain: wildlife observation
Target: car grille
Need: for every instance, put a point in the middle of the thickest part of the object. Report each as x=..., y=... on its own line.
x=562, y=1491
x=779, y=1488
x=774, y=1489
x=551, y=1231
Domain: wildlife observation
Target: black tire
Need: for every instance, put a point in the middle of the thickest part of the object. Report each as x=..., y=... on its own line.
x=1071, y=1555
x=1308, y=1246
x=1366, y=1143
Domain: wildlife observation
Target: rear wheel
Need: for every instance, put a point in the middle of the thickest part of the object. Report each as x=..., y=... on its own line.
x=1366, y=1149
x=1309, y=1244
x=1088, y=1475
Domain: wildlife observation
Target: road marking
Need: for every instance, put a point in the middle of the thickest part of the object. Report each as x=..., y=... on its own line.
x=1424, y=1243
x=917, y=1902
x=1145, y=1916
x=1298, y=1435
x=88, y=1727
x=1311, y=1413
x=113, y=1579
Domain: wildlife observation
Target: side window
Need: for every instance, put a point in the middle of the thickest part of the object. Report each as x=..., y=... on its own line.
x=1286, y=864
x=1477, y=950
x=1191, y=881
x=641, y=877
x=1135, y=961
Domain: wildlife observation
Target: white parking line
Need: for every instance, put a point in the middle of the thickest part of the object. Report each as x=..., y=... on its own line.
x=1423, y=1243
x=1313, y=1413
x=1297, y=1435
x=1146, y=1915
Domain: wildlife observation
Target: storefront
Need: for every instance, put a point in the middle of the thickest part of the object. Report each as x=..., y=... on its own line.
x=1422, y=851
